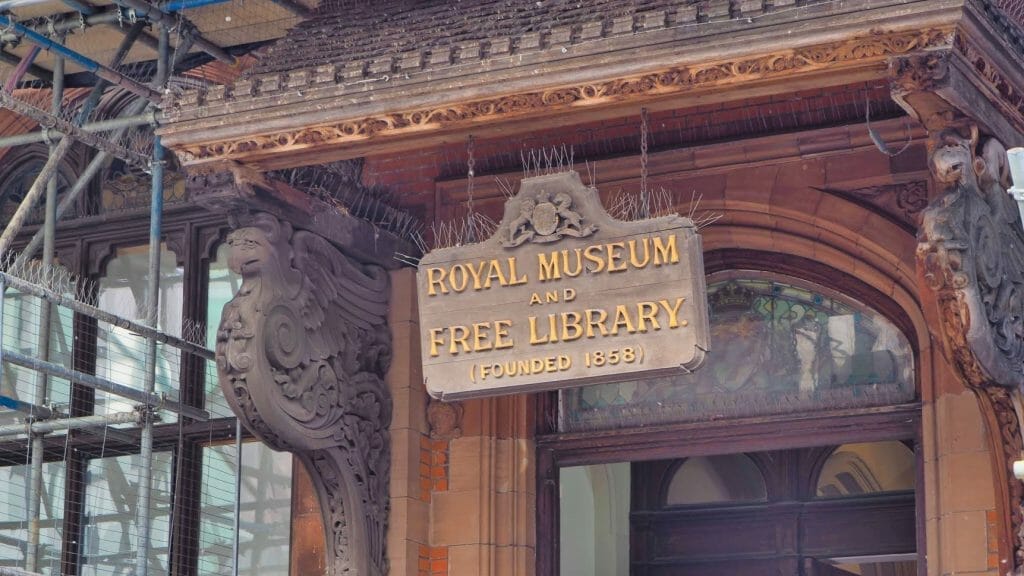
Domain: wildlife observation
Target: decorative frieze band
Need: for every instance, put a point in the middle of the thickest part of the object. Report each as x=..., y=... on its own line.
x=677, y=80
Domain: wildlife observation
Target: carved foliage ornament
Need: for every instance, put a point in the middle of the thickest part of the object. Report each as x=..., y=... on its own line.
x=999, y=84
x=971, y=253
x=671, y=81
x=302, y=349
x=971, y=256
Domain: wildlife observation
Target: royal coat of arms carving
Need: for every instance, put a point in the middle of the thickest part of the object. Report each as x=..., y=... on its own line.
x=542, y=218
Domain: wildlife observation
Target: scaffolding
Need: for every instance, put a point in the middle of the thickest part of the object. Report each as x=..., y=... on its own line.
x=54, y=293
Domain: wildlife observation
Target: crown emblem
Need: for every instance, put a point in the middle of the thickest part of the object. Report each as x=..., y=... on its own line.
x=731, y=297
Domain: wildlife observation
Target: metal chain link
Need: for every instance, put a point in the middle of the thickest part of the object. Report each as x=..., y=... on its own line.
x=645, y=198
x=470, y=173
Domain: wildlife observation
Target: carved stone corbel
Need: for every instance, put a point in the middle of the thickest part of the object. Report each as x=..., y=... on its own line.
x=302, y=350
x=970, y=257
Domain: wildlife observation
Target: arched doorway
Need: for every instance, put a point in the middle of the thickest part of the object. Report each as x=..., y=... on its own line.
x=794, y=451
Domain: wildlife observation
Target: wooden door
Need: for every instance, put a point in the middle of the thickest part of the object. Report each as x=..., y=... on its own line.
x=765, y=516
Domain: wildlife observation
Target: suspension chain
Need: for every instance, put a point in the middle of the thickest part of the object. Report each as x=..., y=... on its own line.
x=645, y=197
x=470, y=173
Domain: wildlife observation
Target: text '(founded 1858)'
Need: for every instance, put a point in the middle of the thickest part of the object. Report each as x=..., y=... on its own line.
x=562, y=295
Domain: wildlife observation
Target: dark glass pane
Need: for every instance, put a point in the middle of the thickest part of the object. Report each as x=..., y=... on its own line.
x=778, y=345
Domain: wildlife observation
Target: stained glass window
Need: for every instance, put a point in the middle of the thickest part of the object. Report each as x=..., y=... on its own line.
x=778, y=345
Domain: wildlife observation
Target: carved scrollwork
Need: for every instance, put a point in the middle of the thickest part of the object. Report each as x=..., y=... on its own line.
x=971, y=254
x=302, y=349
x=971, y=257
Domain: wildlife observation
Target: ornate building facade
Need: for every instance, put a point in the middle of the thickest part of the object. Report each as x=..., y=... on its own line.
x=845, y=161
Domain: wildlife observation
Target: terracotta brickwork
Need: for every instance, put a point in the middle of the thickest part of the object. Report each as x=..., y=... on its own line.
x=466, y=505
x=433, y=467
x=307, y=550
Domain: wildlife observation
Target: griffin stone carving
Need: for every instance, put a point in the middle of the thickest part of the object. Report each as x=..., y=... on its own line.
x=971, y=253
x=971, y=258
x=302, y=349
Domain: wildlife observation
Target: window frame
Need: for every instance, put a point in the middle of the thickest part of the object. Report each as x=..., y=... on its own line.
x=901, y=422
x=193, y=236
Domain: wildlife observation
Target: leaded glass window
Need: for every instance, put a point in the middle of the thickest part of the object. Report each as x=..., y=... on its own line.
x=778, y=345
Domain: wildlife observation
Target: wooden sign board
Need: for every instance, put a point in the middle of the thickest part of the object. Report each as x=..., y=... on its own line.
x=562, y=295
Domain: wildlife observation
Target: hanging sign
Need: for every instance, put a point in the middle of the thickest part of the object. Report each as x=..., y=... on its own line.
x=562, y=295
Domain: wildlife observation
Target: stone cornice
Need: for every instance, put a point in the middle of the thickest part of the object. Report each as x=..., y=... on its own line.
x=869, y=51
x=981, y=77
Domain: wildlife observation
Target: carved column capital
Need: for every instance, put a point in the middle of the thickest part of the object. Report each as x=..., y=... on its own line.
x=302, y=350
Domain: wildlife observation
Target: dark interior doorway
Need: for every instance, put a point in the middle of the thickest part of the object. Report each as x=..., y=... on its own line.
x=828, y=511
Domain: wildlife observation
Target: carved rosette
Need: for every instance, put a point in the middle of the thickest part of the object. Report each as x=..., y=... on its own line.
x=971, y=258
x=302, y=350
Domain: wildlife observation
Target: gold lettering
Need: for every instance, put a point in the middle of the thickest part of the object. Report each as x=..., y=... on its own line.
x=475, y=272
x=460, y=336
x=572, y=273
x=633, y=260
x=495, y=273
x=513, y=280
x=593, y=254
x=460, y=284
x=548, y=269
x=435, y=341
x=665, y=252
x=647, y=311
x=598, y=322
x=534, y=337
x=622, y=320
x=435, y=277
x=564, y=362
x=501, y=337
x=614, y=256
x=571, y=320
x=481, y=336
x=549, y=364
x=568, y=294
x=551, y=296
x=673, y=312
x=535, y=299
